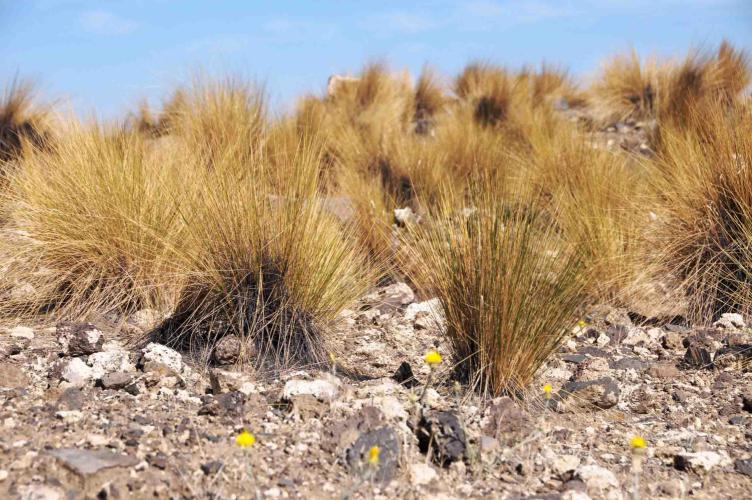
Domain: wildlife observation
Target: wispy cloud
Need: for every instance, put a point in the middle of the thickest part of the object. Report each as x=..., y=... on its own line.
x=219, y=45
x=102, y=22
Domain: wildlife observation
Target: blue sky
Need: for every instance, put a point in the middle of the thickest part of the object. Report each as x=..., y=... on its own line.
x=106, y=55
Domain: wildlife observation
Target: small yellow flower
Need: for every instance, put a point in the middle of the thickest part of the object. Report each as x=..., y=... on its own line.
x=373, y=455
x=547, y=389
x=332, y=359
x=432, y=358
x=637, y=443
x=245, y=439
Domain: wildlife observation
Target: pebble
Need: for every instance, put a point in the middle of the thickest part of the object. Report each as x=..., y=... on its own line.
x=21, y=332
x=421, y=474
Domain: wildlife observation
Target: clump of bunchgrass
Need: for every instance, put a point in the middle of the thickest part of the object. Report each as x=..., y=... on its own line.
x=509, y=284
x=91, y=225
x=21, y=121
x=268, y=262
x=705, y=218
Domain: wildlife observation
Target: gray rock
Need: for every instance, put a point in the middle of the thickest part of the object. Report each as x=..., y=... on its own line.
x=79, y=339
x=71, y=399
x=88, y=462
x=743, y=466
x=388, y=442
x=597, y=479
x=230, y=404
x=116, y=380
x=601, y=393
x=211, y=468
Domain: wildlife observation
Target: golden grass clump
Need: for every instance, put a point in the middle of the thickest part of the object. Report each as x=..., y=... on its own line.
x=509, y=284
x=487, y=89
x=220, y=120
x=21, y=121
x=668, y=91
x=705, y=182
x=93, y=222
x=269, y=262
x=600, y=200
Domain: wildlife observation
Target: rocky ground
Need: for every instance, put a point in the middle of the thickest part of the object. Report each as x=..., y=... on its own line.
x=81, y=416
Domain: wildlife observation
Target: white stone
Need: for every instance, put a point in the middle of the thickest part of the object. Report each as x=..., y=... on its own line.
x=110, y=361
x=597, y=478
x=565, y=463
x=69, y=416
x=159, y=353
x=602, y=339
x=97, y=440
x=636, y=336
x=3, y=474
x=706, y=460
x=730, y=321
x=22, y=332
x=574, y=495
x=322, y=390
x=421, y=473
x=77, y=373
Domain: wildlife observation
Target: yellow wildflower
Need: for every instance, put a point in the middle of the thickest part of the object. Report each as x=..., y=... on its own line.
x=582, y=323
x=373, y=455
x=637, y=443
x=547, y=389
x=245, y=439
x=432, y=358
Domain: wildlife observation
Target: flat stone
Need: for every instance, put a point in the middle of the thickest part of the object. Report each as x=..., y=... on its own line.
x=89, y=462
x=105, y=362
x=601, y=393
x=21, y=332
x=324, y=390
x=565, y=464
x=701, y=461
x=663, y=371
x=116, y=380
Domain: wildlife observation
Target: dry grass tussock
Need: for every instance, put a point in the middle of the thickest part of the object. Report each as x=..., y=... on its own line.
x=93, y=220
x=667, y=90
x=509, y=284
x=704, y=177
x=22, y=121
x=268, y=261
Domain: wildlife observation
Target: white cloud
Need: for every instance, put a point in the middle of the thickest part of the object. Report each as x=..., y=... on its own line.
x=102, y=22
x=221, y=44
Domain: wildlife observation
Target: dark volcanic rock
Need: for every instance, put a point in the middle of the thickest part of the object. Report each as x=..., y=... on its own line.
x=388, y=442
x=442, y=433
x=79, y=339
x=744, y=466
x=213, y=467
x=697, y=356
x=230, y=404
x=404, y=375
